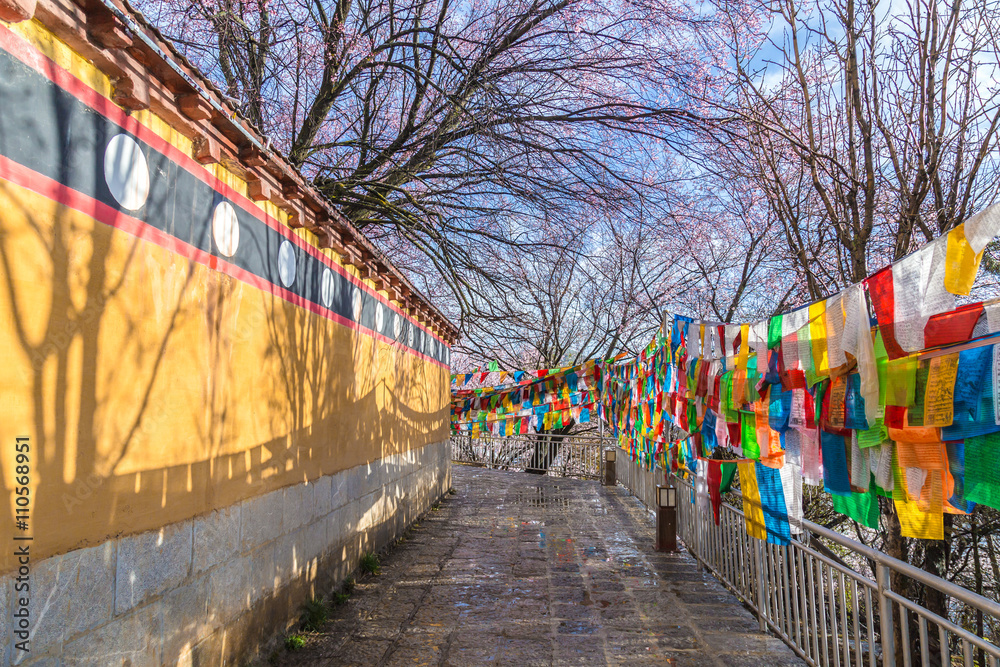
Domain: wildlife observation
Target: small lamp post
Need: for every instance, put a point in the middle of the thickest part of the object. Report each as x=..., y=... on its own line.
x=666, y=518
x=610, y=479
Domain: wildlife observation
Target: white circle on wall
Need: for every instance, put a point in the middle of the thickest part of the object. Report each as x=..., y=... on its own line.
x=226, y=229
x=356, y=304
x=397, y=326
x=412, y=335
x=326, y=288
x=286, y=263
x=379, y=316
x=126, y=172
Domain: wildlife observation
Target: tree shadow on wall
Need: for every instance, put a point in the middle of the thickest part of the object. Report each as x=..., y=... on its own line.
x=134, y=372
x=350, y=399
x=63, y=276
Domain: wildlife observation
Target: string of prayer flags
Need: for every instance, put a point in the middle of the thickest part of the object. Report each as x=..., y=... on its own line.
x=825, y=395
x=543, y=399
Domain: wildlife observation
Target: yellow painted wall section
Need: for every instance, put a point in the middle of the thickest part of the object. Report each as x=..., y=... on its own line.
x=154, y=388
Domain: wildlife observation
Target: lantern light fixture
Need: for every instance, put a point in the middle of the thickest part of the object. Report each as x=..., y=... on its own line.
x=667, y=496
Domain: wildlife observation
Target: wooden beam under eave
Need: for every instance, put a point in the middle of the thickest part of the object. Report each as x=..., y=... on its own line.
x=354, y=257
x=109, y=31
x=291, y=189
x=15, y=11
x=333, y=241
x=194, y=106
x=251, y=156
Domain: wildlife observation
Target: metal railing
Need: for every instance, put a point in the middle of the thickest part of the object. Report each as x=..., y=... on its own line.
x=825, y=610
x=554, y=455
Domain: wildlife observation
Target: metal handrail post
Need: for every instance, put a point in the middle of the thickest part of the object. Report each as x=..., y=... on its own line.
x=883, y=578
x=759, y=568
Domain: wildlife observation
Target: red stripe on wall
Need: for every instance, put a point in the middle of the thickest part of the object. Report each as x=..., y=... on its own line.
x=38, y=61
x=31, y=180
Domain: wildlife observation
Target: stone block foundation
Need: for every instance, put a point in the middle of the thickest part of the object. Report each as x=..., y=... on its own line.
x=212, y=590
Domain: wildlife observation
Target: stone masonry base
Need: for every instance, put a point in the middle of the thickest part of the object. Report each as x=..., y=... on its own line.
x=212, y=590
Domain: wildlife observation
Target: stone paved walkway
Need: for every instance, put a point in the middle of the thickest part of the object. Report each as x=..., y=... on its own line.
x=518, y=569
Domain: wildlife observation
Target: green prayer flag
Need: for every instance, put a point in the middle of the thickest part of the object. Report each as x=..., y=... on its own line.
x=982, y=475
x=875, y=435
x=881, y=361
x=774, y=332
x=753, y=377
x=726, y=400
x=728, y=471
x=748, y=435
x=862, y=507
x=901, y=381
x=818, y=399
x=915, y=413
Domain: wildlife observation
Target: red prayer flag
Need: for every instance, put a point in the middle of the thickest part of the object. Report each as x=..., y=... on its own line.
x=952, y=327
x=734, y=434
x=880, y=291
x=895, y=416
x=714, y=482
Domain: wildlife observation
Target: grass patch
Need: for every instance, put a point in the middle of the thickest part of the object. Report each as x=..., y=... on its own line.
x=370, y=563
x=452, y=491
x=295, y=642
x=341, y=599
x=348, y=585
x=314, y=614
x=435, y=507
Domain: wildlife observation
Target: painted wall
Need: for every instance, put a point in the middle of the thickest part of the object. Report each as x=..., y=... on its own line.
x=169, y=346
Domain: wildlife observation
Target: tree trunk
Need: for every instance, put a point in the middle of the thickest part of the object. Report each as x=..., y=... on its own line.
x=547, y=446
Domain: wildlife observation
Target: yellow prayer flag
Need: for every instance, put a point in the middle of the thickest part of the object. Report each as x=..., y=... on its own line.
x=741, y=361
x=753, y=511
x=912, y=520
x=939, y=398
x=961, y=263
x=817, y=337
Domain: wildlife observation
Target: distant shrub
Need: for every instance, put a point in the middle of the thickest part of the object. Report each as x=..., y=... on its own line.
x=370, y=563
x=314, y=615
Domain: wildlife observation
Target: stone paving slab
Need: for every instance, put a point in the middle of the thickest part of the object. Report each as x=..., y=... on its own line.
x=518, y=569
